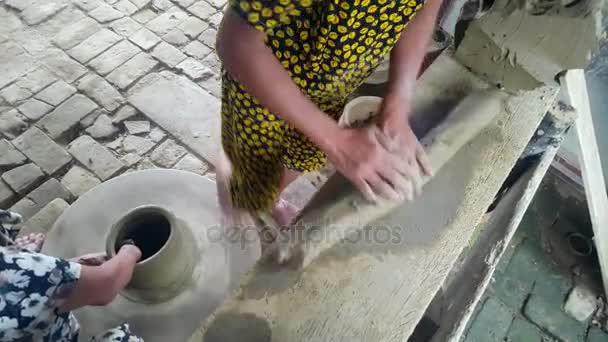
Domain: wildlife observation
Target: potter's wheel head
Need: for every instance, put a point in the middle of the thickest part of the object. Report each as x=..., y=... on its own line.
x=187, y=243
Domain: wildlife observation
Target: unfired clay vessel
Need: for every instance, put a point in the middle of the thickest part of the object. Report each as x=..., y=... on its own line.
x=190, y=261
x=359, y=109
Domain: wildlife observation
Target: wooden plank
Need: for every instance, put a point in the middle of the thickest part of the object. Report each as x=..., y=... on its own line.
x=575, y=86
x=376, y=286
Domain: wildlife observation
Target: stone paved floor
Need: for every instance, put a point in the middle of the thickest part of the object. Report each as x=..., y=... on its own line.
x=525, y=301
x=91, y=89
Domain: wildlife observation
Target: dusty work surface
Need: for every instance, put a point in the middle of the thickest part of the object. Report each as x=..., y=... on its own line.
x=376, y=286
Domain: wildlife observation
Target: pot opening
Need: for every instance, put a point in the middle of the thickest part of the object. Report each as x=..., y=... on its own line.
x=580, y=244
x=149, y=231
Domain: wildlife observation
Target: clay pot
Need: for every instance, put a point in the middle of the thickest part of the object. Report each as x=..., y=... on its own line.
x=190, y=261
x=360, y=110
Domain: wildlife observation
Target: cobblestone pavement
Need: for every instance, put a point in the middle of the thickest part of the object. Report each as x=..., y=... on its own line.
x=91, y=89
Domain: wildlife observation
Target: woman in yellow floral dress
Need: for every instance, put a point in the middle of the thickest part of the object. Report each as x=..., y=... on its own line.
x=289, y=66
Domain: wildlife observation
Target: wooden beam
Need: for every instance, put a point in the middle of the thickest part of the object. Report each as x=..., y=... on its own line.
x=575, y=86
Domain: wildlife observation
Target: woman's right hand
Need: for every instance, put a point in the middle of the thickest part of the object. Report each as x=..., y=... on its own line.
x=358, y=154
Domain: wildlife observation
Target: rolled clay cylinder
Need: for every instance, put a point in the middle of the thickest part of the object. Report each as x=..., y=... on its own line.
x=339, y=210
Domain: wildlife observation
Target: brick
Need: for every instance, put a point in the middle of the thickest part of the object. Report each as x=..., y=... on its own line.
x=549, y=315
x=67, y=115
x=41, y=10
x=7, y=195
x=43, y=151
x=216, y=19
x=195, y=69
x=123, y=114
x=94, y=45
x=140, y=3
x=213, y=85
x=74, y=34
x=65, y=67
x=25, y=207
x=192, y=27
x=162, y=5
x=10, y=156
x=157, y=134
x=218, y=3
x=167, y=154
x=115, y=144
x=12, y=124
x=208, y=37
x=114, y=57
x=491, y=322
x=87, y=5
x=78, y=181
x=202, y=10
x=102, y=128
x=212, y=62
x=176, y=37
x=125, y=26
x=89, y=120
x=47, y=192
x=145, y=39
x=133, y=69
x=44, y=220
x=522, y=330
x=596, y=335
x=36, y=80
x=197, y=50
x=14, y=94
x=192, y=164
x=139, y=145
x=131, y=159
x=95, y=157
x=100, y=90
x=167, y=21
x=23, y=178
x=168, y=54
x=56, y=93
x=137, y=127
x=105, y=13
x=126, y=7
x=144, y=16
x=185, y=3
x=34, y=109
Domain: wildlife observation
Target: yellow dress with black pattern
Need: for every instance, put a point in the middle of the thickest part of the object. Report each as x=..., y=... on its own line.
x=328, y=47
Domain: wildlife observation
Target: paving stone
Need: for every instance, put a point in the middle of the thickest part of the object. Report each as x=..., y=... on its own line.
x=47, y=192
x=115, y=144
x=550, y=316
x=523, y=331
x=192, y=164
x=212, y=62
x=23, y=178
x=44, y=220
x=67, y=115
x=192, y=27
x=580, y=304
x=137, y=127
x=34, y=109
x=145, y=39
x=62, y=65
x=56, y=93
x=168, y=54
x=7, y=195
x=126, y=7
x=131, y=159
x=125, y=26
x=43, y=151
x=139, y=145
x=157, y=134
x=74, y=34
x=491, y=323
x=10, y=22
x=195, y=69
x=123, y=114
x=14, y=62
x=101, y=91
x=213, y=85
x=41, y=10
x=94, y=45
x=12, y=124
x=167, y=21
x=133, y=69
x=185, y=3
x=218, y=3
x=140, y=3
x=216, y=19
x=596, y=335
x=111, y=2
x=37, y=79
x=106, y=13
x=14, y=94
x=87, y=5
x=114, y=57
x=169, y=93
x=162, y=5
x=9, y=156
x=176, y=37
x=208, y=37
x=25, y=207
x=95, y=157
x=197, y=50
x=202, y=10
x=78, y=181
x=144, y=16
x=89, y=120
x=167, y=154
x=18, y=5
x=102, y=128
x=145, y=164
